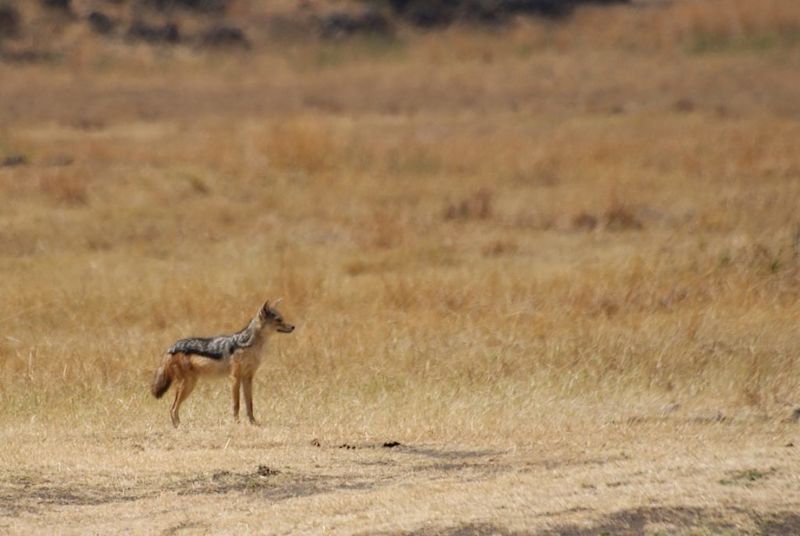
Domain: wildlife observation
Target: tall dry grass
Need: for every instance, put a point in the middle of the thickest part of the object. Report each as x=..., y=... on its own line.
x=477, y=238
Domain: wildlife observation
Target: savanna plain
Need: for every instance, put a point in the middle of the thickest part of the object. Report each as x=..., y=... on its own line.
x=545, y=277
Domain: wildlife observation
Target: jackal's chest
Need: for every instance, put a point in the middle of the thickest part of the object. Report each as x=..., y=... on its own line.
x=246, y=360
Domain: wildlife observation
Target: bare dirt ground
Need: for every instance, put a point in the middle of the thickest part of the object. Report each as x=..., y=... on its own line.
x=662, y=475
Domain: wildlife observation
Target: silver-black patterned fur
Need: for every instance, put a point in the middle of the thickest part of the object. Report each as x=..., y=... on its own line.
x=218, y=347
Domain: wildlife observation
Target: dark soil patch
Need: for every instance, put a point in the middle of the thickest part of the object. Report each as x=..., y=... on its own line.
x=27, y=494
x=635, y=522
x=268, y=483
x=185, y=525
x=468, y=529
x=778, y=523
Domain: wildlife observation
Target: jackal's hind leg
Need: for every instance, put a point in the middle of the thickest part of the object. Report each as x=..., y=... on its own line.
x=182, y=392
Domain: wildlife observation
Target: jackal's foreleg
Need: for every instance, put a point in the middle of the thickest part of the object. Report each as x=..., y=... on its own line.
x=247, y=383
x=235, y=384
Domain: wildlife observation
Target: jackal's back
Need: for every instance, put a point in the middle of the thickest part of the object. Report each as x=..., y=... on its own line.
x=212, y=347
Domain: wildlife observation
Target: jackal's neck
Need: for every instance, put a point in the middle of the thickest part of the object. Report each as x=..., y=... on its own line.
x=255, y=324
x=255, y=330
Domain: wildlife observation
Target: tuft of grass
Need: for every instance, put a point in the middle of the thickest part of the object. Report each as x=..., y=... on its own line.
x=477, y=206
x=65, y=187
x=300, y=146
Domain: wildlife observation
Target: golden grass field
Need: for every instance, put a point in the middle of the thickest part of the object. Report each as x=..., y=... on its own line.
x=559, y=263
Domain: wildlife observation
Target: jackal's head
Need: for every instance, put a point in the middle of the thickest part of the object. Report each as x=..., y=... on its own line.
x=271, y=318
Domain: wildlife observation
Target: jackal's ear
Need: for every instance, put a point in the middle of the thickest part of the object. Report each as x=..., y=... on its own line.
x=276, y=302
x=265, y=307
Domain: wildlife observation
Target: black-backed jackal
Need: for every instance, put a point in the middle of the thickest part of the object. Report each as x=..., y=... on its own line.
x=237, y=356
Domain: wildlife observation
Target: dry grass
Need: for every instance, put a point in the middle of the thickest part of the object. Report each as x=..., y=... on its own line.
x=563, y=273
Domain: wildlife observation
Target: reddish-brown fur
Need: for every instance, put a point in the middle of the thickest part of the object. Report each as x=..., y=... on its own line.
x=161, y=382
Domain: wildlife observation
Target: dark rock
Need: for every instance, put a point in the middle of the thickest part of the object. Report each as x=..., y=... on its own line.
x=224, y=36
x=370, y=21
x=434, y=13
x=101, y=23
x=63, y=5
x=552, y=8
x=427, y=13
x=200, y=6
x=141, y=31
x=57, y=4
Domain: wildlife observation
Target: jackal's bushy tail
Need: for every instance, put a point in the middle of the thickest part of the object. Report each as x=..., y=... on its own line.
x=161, y=379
